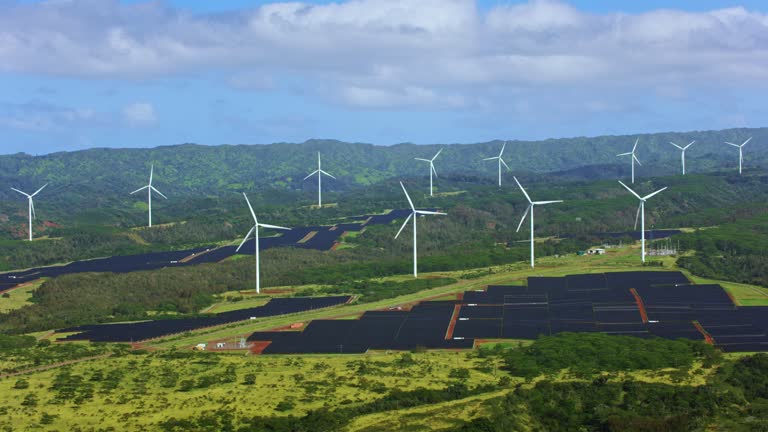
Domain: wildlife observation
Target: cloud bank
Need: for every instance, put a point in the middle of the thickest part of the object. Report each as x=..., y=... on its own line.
x=387, y=53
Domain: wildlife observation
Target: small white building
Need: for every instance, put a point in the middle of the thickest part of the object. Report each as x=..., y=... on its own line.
x=596, y=251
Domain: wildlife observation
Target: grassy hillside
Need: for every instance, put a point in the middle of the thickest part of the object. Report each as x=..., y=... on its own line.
x=92, y=186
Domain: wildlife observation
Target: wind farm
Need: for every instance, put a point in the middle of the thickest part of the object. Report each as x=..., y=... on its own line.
x=338, y=299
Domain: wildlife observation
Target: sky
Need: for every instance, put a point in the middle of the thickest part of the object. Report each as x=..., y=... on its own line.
x=76, y=74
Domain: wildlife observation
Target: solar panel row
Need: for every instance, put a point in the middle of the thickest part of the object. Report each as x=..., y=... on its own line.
x=547, y=305
x=139, y=331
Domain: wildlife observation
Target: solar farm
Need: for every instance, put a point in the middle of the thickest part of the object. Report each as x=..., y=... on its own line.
x=640, y=304
x=321, y=238
x=145, y=330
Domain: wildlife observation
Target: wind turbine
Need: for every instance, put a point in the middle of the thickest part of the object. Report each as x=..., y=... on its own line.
x=683, y=152
x=414, y=214
x=31, y=209
x=641, y=214
x=531, y=205
x=741, y=155
x=431, y=168
x=501, y=161
x=319, y=171
x=633, y=159
x=149, y=189
x=255, y=230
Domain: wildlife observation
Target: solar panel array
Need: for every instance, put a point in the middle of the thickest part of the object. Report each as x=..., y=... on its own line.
x=139, y=331
x=324, y=238
x=641, y=304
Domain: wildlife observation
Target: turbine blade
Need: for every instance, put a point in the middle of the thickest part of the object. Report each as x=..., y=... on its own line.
x=427, y=212
x=735, y=145
x=503, y=146
x=432, y=167
x=635, y=146
x=328, y=174
x=624, y=154
x=311, y=174
x=523, y=219
x=151, y=172
x=273, y=227
x=437, y=154
x=32, y=205
x=409, y=198
x=404, y=224
x=23, y=193
x=636, y=159
x=160, y=193
x=139, y=190
x=253, y=213
x=648, y=196
x=38, y=191
x=524, y=192
x=627, y=188
x=491, y=158
x=245, y=239
x=689, y=144
x=546, y=202
x=505, y=164
x=637, y=215
x=745, y=142
x=421, y=159
x=676, y=145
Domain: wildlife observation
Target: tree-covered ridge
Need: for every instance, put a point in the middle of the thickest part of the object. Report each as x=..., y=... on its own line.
x=218, y=169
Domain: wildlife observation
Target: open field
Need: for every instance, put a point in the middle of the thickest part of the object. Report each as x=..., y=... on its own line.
x=139, y=391
x=19, y=297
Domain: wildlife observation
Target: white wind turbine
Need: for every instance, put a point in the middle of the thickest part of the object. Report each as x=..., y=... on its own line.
x=31, y=209
x=531, y=205
x=633, y=159
x=431, y=168
x=683, y=149
x=319, y=171
x=741, y=155
x=255, y=231
x=414, y=214
x=149, y=189
x=641, y=215
x=501, y=161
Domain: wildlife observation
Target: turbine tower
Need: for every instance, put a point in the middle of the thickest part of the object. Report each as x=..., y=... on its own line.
x=255, y=230
x=431, y=168
x=149, y=189
x=319, y=171
x=641, y=215
x=501, y=161
x=531, y=205
x=683, y=149
x=31, y=209
x=741, y=155
x=633, y=159
x=414, y=214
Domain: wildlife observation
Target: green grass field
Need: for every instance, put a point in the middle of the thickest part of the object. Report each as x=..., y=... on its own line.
x=141, y=390
x=19, y=297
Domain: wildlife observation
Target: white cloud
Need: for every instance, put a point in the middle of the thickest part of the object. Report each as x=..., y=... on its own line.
x=376, y=53
x=42, y=116
x=139, y=114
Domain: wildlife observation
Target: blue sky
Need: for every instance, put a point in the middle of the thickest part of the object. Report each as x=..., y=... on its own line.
x=105, y=73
